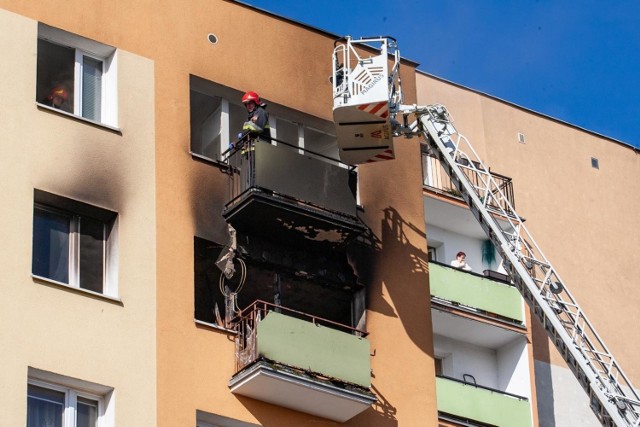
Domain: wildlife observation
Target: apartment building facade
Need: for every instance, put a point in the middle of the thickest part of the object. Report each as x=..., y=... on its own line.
x=121, y=205
x=570, y=203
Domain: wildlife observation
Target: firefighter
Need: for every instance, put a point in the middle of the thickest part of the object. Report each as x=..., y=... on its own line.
x=257, y=124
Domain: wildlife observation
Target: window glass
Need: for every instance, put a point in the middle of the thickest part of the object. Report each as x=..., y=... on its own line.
x=431, y=253
x=286, y=131
x=51, y=245
x=45, y=408
x=70, y=246
x=206, y=124
x=237, y=117
x=321, y=143
x=91, y=254
x=438, y=363
x=55, y=73
x=87, y=415
x=76, y=75
x=91, y=88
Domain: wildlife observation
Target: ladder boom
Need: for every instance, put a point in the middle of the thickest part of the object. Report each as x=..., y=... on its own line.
x=612, y=396
x=368, y=113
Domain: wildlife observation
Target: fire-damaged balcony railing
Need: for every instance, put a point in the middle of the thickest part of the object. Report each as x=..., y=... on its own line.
x=435, y=177
x=294, y=173
x=287, y=193
x=301, y=341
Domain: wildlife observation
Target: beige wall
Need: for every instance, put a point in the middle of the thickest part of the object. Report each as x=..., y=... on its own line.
x=287, y=65
x=49, y=327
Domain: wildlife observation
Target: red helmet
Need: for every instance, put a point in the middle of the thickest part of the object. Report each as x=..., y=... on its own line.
x=251, y=97
x=58, y=91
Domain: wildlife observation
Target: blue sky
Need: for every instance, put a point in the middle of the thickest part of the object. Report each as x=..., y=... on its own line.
x=578, y=61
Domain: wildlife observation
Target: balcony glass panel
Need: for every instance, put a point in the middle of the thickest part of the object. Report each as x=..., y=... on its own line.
x=475, y=291
x=278, y=191
x=284, y=170
x=488, y=406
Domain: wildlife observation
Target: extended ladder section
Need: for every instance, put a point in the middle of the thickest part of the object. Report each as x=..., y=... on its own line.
x=611, y=394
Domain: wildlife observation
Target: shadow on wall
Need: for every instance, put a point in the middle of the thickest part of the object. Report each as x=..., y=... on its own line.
x=544, y=380
x=395, y=261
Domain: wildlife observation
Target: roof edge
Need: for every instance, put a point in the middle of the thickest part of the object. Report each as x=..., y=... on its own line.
x=537, y=113
x=306, y=26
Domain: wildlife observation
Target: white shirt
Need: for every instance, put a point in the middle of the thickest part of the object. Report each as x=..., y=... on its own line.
x=461, y=265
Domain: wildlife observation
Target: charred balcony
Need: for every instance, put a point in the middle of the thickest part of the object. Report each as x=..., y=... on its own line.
x=285, y=193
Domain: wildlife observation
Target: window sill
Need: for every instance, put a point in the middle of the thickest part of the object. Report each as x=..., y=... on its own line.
x=200, y=323
x=79, y=118
x=209, y=160
x=54, y=283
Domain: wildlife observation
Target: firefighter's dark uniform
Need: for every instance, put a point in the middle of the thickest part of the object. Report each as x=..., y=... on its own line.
x=257, y=124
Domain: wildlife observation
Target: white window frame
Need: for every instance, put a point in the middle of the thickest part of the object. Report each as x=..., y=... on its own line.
x=109, y=251
x=225, y=132
x=301, y=130
x=99, y=51
x=71, y=403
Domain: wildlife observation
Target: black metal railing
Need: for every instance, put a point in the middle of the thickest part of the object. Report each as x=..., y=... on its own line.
x=435, y=177
x=474, y=384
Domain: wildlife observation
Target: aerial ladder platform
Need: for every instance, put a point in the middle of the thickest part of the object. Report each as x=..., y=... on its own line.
x=612, y=397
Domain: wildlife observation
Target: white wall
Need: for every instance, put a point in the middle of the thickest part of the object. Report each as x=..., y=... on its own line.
x=449, y=243
x=513, y=368
x=463, y=358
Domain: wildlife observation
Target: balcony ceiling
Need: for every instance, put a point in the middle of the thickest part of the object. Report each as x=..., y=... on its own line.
x=299, y=392
x=471, y=331
x=449, y=216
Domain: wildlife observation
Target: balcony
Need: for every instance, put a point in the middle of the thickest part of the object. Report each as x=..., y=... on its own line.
x=464, y=401
x=476, y=292
x=290, y=359
x=436, y=179
x=295, y=196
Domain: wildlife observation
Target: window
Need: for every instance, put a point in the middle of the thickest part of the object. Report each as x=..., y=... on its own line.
x=215, y=123
x=207, y=419
x=438, y=364
x=73, y=243
x=57, y=401
x=312, y=140
x=217, y=116
x=76, y=75
x=215, y=119
x=432, y=253
x=321, y=143
x=287, y=131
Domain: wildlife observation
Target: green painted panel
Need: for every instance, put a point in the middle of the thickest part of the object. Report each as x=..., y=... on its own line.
x=473, y=291
x=317, y=348
x=482, y=405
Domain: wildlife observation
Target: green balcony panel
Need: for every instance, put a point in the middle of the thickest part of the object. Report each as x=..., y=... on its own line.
x=478, y=404
x=477, y=292
x=304, y=345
